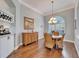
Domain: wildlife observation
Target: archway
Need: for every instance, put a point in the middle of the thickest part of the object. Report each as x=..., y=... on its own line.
x=60, y=25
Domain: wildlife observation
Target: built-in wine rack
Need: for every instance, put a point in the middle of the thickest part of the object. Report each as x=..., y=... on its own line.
x=4, y=16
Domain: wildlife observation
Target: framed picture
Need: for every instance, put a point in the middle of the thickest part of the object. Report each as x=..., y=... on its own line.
x=28, y=23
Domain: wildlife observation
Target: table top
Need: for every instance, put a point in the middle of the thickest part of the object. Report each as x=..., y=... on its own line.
x=59, y=36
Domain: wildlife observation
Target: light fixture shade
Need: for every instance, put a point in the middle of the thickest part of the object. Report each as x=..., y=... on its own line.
x=52, y=20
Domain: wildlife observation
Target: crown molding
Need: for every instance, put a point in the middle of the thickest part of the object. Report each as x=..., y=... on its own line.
x=60, y=10
x=46, y=13
x=27, y=5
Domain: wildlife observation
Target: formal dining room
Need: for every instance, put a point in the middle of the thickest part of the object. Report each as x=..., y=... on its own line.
x=39, y=28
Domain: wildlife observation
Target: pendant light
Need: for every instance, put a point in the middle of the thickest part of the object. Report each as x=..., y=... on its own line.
x=52, y=20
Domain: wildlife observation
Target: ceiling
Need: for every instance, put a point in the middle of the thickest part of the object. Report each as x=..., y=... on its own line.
x=44, y=6
x=6, y=4
x=3, y=4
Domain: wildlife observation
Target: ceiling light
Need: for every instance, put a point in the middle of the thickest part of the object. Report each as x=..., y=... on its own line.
x=52, y=20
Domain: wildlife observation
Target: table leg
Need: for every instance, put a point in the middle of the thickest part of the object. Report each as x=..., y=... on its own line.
x=56, y=44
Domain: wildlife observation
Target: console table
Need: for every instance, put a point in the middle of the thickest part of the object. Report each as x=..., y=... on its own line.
x=29, y=37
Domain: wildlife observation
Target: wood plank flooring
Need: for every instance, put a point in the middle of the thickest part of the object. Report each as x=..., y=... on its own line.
x=38, y=50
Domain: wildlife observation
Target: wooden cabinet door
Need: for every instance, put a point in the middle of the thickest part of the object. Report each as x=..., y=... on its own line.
x=29, y=38
x=36, y=36
x=33, y=37
x=25, y=38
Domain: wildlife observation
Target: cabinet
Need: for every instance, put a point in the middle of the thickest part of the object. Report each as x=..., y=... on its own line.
x=10, y=40
x=6, y=45
x=29, y=37
x=3, y=47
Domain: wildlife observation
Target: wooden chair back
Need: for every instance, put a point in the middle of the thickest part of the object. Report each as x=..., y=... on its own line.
x=56, y=33
x=49, y=43
x=48, y=38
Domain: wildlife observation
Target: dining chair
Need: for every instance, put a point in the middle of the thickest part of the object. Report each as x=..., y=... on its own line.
x=55, y=33
x=60, y=42
x=49, y=42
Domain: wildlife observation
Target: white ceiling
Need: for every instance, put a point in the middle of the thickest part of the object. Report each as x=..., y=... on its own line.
x=44, y=6
x=3, y=4
x=6, y=4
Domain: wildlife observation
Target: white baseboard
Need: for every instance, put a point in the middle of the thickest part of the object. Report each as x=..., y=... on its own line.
x=17, y=46
x=69, y=41
x=41, y=37
x=76, y=49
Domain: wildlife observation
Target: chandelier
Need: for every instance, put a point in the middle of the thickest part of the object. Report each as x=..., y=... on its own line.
x=52, y=20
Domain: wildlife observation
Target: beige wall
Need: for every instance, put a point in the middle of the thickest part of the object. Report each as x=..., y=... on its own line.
x=68, y=16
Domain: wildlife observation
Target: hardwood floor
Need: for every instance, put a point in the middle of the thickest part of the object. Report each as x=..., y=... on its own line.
x=37, y=50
